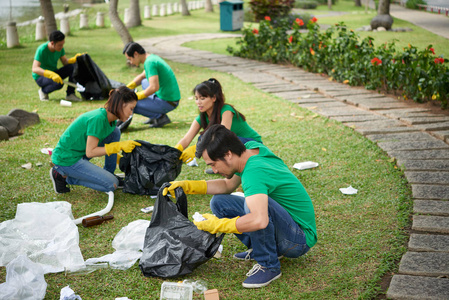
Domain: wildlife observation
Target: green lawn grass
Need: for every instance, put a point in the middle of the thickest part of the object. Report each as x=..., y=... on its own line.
x=360, y=237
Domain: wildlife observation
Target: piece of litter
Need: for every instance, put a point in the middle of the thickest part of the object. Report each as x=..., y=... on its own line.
x=198, y=217
x=155, y=196
x=348, y=191
x=47, y=150
x=305, y=165
x=27, y=166
x=306, y=96
x=193, y=163
x=39, y=164
x=147, y=209
x=68, y=294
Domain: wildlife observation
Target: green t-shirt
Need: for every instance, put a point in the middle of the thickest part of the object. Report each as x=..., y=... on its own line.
x=239, y=126
x=168, y=86
x=72, y=144
x=48, y=59
x=267, y=174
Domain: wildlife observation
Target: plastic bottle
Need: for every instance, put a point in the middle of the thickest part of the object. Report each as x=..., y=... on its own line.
x=96, y=220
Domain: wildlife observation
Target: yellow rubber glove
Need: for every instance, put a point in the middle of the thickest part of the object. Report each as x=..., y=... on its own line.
x=132, y=85
x=189, y=154
x=179, y=147
x=189, y=186
x=140, y=95
x=126, y=146
x=53, y=76
x=72, y=60
x=214, y=224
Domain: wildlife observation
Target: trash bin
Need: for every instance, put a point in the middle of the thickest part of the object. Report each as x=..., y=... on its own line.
x=231, y=15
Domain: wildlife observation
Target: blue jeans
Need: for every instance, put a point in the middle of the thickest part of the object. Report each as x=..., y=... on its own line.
x=49, y=85
x=152, y=106
x=92, y=176
x=282, y=236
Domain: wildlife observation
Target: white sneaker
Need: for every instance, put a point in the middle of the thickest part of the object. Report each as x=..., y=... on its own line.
x=42, y=95
x=73, y=98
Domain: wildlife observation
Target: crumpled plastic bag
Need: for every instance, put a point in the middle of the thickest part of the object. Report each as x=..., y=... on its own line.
x=46, y=233
x=24, y=280
x=349, y=190
x=174, y=246
x=149, y=166
x=128, y=244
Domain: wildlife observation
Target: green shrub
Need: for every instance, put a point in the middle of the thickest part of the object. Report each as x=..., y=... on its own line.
x=415, y=74
x=324, y=2
x=306, y=4
x=271, y=8
x=413, y=4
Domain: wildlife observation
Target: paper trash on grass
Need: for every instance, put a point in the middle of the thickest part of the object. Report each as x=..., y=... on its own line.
x=27, y=166
x=348, y=191
x=68, y=294
x=147, y=209
x=193, y=163
x=305, y=165
x=47, y=150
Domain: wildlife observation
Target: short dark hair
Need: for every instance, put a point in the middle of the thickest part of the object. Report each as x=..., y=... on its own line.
x=218, y=140
x=56, y=36
x=118, y=97
x=132, y=47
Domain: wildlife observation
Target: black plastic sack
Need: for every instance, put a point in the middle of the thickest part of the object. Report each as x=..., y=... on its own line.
x=173, y=245
x=92, y=78
x=149, y=166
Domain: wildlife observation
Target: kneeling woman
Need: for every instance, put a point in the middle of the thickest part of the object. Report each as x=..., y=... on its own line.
x=93, y=134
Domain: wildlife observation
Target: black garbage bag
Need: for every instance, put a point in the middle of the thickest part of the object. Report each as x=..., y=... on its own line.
x=147, y=167
x=92, y=78
x=173, y=245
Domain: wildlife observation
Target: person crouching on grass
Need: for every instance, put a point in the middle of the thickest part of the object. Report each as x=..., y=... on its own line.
x=274, y=219
x=93, y=134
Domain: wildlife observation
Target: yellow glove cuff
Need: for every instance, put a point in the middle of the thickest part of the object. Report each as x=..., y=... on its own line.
x=179, y=147
x=140, y=95
x=132, y=85
x=53, y=76
x=72, y=60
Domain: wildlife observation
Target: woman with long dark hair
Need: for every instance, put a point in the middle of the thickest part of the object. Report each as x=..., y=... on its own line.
x=93, y=134
x=210, y=100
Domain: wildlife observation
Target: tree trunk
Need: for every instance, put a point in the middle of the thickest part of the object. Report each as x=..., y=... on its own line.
x=358, y=3
x=329, y=4
x=134, y=14
x=384, y=7
x=185, y=10
x=49, y=16
x=117, y=23
x=208, y=7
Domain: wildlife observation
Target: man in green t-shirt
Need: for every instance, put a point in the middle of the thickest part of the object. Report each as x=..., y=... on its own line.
x=275, y=218
x=45, y=67
x=160, y=93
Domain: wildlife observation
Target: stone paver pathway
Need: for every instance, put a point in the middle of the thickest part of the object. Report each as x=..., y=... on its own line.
x=415, y=137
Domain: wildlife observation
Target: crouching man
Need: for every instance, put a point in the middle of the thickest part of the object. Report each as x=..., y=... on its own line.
x=276, y=217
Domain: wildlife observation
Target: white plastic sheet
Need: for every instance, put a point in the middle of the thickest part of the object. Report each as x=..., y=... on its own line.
x=44, y=232
x=128, y=244
x=24, y=280
x=349, y=190
x=305, y=165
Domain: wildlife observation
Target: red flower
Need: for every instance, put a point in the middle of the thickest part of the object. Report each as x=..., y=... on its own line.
x=375, y=61
x=255, y=31
x=312, y=52
x=439, y=60
x=290, y=39
x=267, y=18
x=299, y=21
x=314, y=20
x=432, y=50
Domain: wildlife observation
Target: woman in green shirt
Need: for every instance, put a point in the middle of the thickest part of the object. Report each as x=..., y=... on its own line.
x=93, y=134
x=210, y=100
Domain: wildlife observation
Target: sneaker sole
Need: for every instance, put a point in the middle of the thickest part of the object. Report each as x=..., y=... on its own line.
x=259, y=285
x=53, y=181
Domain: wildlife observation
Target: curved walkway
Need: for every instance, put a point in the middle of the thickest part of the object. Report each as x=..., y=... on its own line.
x=415, y=137
x=436, y=23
